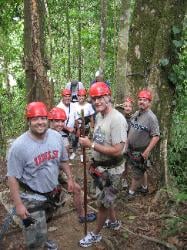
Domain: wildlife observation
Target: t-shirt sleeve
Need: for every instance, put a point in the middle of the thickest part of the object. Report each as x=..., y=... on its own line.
x=15, y=163
x=91, y=110
x=155, y=131
x=68, y=85
x=81, y=86
x=119, y=129
x=64, y=153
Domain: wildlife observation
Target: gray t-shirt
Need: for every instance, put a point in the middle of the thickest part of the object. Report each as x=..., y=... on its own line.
x=143, y=126
x=109, y=130
x=36, y=163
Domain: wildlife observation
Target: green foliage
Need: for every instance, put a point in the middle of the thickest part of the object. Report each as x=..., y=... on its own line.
x=181, y=196
x=13, y=105
x=164, y=62
x=12, y=114
x=174, y=226
x=178, y=140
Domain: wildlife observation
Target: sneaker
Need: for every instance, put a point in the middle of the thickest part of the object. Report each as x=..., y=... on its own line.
x=81, y=158
x=130, y=197
x=72, y=156
x=124, y=184
x=90, y=239
x=112, y=225
x=50, y=245
x=89, y=218
x=142, y=190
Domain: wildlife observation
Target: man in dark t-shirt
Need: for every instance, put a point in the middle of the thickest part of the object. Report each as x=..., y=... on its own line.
x=143, y=135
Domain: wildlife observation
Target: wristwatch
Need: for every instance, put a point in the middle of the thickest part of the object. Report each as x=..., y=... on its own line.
x=93, y=145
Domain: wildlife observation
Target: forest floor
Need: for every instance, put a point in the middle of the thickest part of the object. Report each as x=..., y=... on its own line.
x=150, y=222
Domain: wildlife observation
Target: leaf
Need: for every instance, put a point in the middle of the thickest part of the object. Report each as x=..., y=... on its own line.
x=132, y=217
x=172, y=77
x=164, y=61
x=181, y=197
x=176, y=30
x=177, y=43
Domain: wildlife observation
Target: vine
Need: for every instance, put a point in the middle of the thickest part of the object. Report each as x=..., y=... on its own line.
x=178, y=141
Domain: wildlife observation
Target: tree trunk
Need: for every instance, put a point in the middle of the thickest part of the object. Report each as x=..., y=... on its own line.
x=37, y=83
x=122, y=50
x=68, y=41
x=103, y=21
x=79, y=45
x=151, y=40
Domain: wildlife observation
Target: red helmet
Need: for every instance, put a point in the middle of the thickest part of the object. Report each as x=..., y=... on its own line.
x=145, y=93
x=82, y=92
x=57, y=114
x=99, y=89
x=35, y=109
x=66, y=92
x=128, y=99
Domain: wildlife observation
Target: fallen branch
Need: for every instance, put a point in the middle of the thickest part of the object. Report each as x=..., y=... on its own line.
x=163, y=243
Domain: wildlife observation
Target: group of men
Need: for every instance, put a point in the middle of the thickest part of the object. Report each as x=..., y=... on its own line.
x=37, y=157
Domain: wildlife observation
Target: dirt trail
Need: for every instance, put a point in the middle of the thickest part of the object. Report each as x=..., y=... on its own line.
x=143, y=215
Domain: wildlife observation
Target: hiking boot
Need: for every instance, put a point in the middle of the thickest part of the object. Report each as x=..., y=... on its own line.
x=142, y=190
x=112, y=225
x=50, y=245
x=89, y=218
x=90, y=239
x=72, y=156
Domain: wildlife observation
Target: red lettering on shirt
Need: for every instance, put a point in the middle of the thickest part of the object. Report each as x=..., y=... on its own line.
x=46, y=156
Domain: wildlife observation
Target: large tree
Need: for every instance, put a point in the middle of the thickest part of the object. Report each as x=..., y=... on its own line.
x=150, y=48
x=103, y=26
x=123, y=39
x=35, y=60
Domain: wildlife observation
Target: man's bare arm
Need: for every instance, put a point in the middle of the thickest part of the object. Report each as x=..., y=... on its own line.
x=66, y=168
x=114, y=150
x=151, y=145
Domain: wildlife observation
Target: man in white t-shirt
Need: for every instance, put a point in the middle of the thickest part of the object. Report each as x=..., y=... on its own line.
x=82, y=104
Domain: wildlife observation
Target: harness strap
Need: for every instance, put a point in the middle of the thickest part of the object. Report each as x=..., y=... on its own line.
x=113, y=162
x=55, y=197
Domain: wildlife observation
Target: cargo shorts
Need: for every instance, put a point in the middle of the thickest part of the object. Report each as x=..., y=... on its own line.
x=107, y=196
x=138, y=164
x=35, y=234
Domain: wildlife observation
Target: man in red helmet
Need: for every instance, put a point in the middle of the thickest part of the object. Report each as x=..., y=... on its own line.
x=89, y=112
x=142, y=138
x=110, y=135
x=57, y=117
x=34, y=161
x=69, y=129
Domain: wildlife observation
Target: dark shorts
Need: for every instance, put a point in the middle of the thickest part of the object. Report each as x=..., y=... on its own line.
x=137, y=163
x=137, y=172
